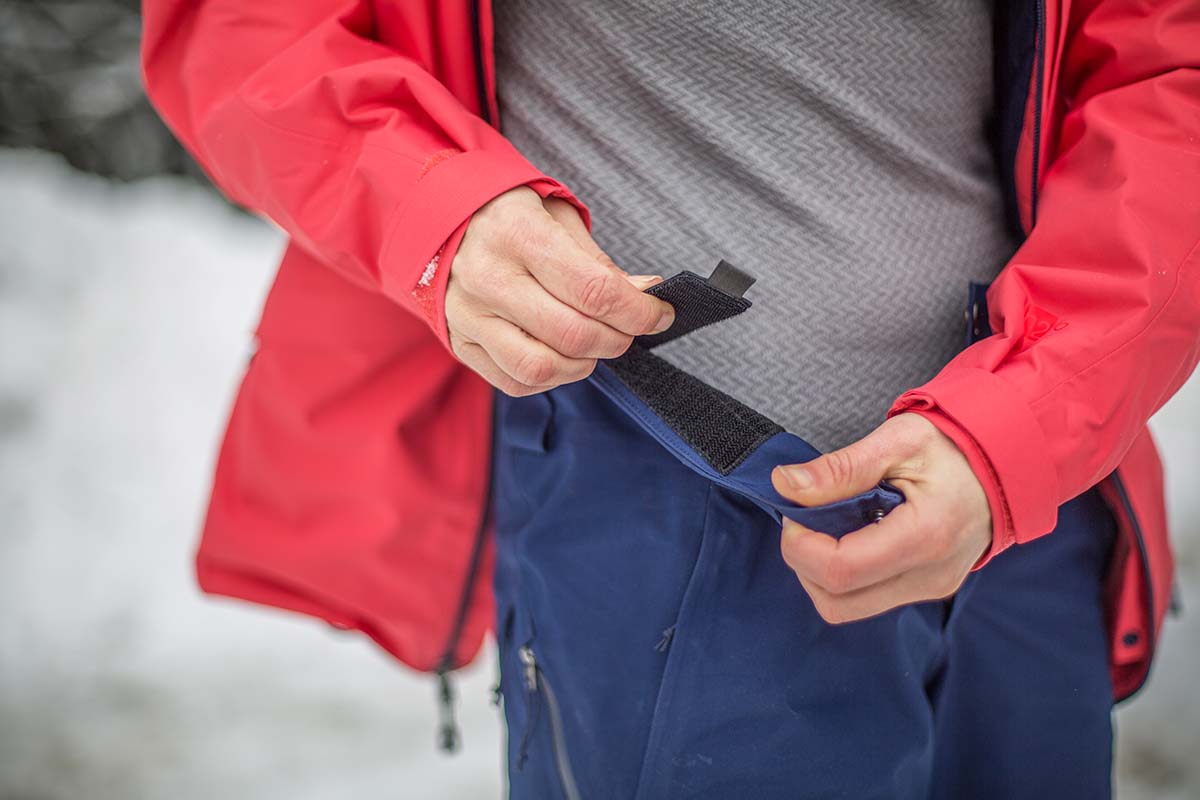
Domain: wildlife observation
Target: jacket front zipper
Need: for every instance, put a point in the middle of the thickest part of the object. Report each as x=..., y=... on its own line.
x=538, y=687
x=448, y=732
x=1039, y=70
x=485, y=104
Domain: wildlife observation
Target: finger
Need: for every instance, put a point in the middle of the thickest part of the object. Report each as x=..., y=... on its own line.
x=475, y=357
x=896, y=544
x=526, y=361
x=592, y=284
x=840, y=474
x=568, y=216
x=935, y=582
x=643, y=282
x=524, y=303
x=523, y=357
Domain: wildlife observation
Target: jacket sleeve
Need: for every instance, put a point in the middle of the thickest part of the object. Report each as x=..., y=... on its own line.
x=352, y=147
x=1097, y=315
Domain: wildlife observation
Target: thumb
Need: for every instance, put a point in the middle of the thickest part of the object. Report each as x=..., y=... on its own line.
x=837, y=475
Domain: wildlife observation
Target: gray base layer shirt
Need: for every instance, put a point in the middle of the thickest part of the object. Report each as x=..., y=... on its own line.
x=836, y=151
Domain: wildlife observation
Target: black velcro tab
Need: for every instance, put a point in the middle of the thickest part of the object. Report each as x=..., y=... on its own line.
x=718, y=427
x=730, y=280
x=700, y=301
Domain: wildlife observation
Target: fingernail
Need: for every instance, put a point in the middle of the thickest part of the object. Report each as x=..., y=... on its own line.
x=665, y=321
x=798, y=477
x=644, y=281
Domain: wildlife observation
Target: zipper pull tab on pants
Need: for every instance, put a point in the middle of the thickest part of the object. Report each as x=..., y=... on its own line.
x=529, y=662
x=533, y=707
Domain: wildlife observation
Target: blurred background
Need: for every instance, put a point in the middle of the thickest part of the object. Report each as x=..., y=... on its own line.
x=128, y=295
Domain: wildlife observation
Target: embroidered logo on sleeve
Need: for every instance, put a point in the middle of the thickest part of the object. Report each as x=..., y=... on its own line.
x=1038, y=323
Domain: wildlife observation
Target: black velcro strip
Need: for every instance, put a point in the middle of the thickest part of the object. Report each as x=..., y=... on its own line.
x=699, y=301
x=719, y=428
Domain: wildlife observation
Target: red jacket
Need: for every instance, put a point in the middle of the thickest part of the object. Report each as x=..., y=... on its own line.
x=351, y=484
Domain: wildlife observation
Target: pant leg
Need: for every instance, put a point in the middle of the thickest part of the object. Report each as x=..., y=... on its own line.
x=597, y=532
x=1023, y=708
x=683, y=657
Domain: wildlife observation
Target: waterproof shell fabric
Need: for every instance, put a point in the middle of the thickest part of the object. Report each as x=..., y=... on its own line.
x=352, y=480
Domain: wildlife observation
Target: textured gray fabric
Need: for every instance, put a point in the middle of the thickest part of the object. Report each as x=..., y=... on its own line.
x=835, y=150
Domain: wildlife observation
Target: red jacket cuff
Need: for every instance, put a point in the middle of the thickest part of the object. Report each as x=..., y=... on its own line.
x=983, y=410
x=429, y=293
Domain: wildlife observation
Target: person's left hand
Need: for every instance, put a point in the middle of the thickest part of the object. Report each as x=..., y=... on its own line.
x=922, y=550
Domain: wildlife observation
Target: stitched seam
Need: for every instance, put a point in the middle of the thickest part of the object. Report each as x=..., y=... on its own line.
x=649, y=418
x=655, y=733
x=647, y=414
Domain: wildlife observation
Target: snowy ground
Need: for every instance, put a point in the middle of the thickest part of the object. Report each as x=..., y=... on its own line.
x=125, y=315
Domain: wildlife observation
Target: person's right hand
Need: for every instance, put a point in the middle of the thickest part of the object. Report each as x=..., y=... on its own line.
x=532, y=301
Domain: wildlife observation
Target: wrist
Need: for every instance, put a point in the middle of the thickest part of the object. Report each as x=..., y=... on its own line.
x=429, y=292
x=1001, y=527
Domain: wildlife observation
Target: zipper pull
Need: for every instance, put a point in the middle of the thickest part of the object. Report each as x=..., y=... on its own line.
x=665, y=642
x=533, y=705
x=448, y=732
x=529, y=661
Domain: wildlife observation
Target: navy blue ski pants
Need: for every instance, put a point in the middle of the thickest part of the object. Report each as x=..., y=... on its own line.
x=654, y=644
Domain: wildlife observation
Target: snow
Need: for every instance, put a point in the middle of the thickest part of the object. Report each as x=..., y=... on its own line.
x=126, y=314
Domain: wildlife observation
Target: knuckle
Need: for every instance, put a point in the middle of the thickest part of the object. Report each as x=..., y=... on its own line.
x=523, y=235
x=473, y=277
x=514, y=389
x=534, y=369
x=574, y=373
x=649, y=310
x=585, y=369
x=617, y=346
x=576, y=338
x=597, y=297
x=486, y=231
x=840, y=467
x=509, y=387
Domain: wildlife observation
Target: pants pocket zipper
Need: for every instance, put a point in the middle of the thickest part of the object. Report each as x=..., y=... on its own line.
x=538, y=688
